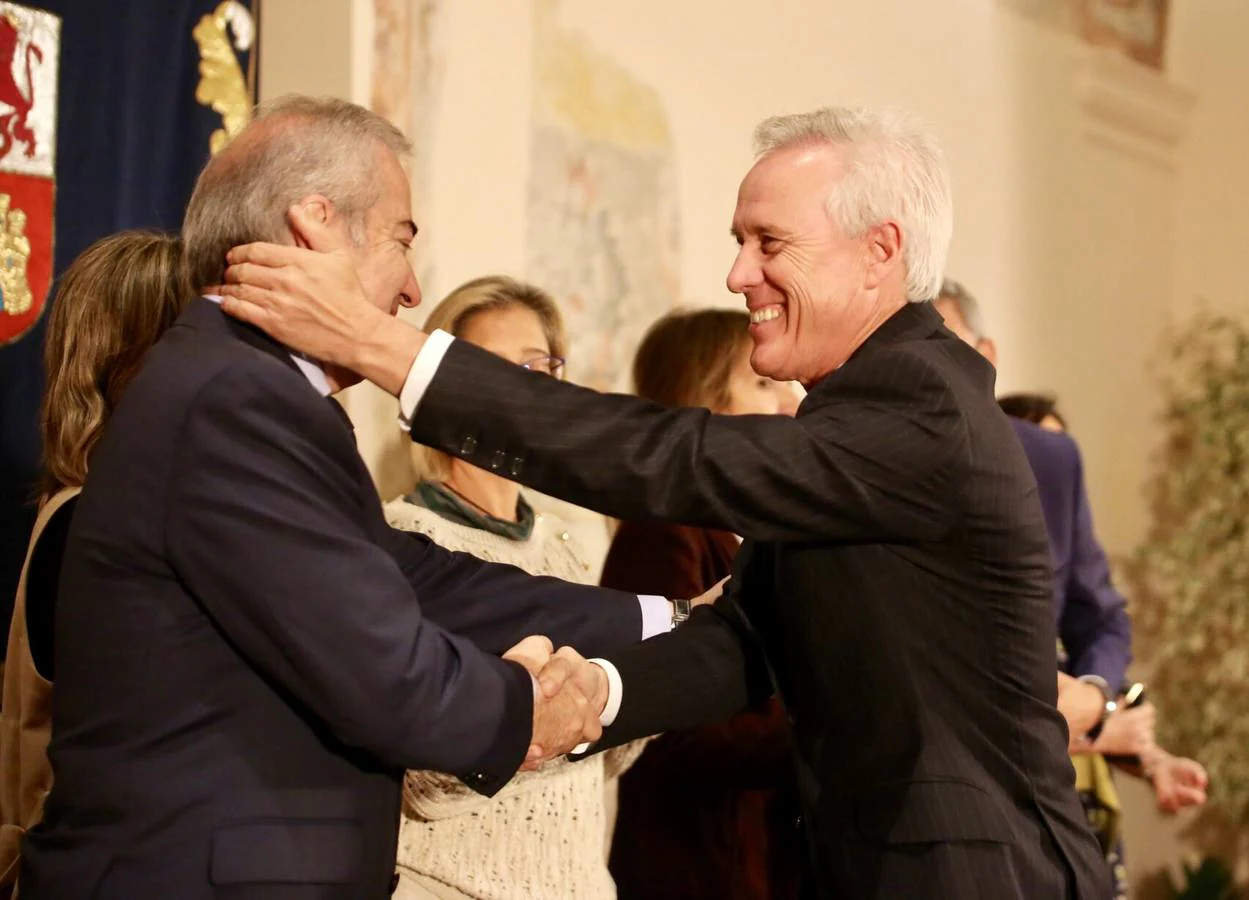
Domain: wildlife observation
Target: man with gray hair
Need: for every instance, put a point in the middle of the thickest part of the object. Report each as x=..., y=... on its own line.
x=894, y=582
x=248, y=657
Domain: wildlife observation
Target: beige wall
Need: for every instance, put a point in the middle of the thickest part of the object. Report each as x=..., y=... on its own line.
x=1093, y=198
x=1210, y=49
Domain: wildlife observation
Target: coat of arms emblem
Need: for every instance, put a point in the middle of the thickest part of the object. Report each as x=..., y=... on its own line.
x=29, y=57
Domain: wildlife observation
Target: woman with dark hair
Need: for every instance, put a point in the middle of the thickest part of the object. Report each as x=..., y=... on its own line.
x=1039, y=409
x=710, y=812
x=112, y=304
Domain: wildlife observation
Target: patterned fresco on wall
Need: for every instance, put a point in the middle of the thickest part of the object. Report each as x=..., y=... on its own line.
x=603, y=221
x=405, y=86
x=1135, y=28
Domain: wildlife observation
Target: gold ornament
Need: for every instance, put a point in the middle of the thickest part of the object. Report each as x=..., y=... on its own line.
x=222, y=86
x=14, y=257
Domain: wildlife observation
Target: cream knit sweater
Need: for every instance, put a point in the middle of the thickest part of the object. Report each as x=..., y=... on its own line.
x=544, y=835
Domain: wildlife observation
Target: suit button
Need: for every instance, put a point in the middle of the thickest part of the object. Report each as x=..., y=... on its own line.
x=468, y=446
x=497, y=461
x=517, y=465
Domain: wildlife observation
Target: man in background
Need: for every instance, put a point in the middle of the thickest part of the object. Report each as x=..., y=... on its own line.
x=1090, y=612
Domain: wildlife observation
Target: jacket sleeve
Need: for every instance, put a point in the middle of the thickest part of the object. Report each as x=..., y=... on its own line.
x=266, y=529
x=753, y=750
x=1095, y=628
x=831, y=474
x=707, y=670
x=497, y=605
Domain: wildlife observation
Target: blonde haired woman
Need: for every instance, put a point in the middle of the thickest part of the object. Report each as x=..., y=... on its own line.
x=544, y=835
x=112, y=304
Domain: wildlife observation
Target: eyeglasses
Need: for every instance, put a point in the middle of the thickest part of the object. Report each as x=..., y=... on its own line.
x=546, y=365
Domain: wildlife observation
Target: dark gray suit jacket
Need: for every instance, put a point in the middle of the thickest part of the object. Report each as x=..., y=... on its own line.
x=894, y=587
x=247, y=656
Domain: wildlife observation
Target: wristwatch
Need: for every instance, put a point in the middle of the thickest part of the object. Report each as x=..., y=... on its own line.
x=680, y=611
x=1111, y=705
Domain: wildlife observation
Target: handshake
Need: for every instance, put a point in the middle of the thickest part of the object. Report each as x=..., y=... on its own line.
x=571, y=692
x=568, y=701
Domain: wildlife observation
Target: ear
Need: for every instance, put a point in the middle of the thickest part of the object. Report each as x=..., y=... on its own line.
x=988, y=350
x=884, y=246
x=316, y=208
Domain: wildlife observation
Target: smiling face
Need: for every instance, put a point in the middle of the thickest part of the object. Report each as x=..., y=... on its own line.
x=381, y=255
x=813, y=293
x=378, y=246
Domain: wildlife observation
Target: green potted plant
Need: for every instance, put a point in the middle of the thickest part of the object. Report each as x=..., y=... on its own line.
x=1190, y=577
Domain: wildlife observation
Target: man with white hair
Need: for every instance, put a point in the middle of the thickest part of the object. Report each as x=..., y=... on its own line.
x=894, y=582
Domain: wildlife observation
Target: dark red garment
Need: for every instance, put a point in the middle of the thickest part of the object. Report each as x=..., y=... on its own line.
x=710, y=812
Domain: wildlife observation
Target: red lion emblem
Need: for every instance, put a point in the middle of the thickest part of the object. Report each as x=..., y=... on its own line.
x=13, y=124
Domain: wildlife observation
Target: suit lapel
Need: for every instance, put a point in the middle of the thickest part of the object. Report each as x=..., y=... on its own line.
x=342, y=413
x=915, y=321
x=205, y=315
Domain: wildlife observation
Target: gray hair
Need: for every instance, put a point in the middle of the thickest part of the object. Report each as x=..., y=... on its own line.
x=896, y=172
x=968, y=308
x=294, y=146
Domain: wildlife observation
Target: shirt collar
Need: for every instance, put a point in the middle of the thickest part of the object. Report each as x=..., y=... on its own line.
x=312, y=370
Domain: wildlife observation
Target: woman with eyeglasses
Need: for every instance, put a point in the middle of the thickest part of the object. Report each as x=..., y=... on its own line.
x=545, y=833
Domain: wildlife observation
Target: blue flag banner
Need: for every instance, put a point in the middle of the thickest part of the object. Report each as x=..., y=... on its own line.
x=108, y=111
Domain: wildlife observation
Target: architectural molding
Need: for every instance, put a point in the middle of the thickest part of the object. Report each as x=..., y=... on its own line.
x=1130, y=109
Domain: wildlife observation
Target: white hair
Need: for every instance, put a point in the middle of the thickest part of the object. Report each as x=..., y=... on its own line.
x=895, y=173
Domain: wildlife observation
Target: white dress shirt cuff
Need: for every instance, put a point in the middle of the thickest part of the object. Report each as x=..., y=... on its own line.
x=656, y=615
x=615, y=693
x=421, y=375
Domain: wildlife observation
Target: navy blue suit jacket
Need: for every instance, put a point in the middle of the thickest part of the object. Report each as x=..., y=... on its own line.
x=248, y=657
x=1092, y=615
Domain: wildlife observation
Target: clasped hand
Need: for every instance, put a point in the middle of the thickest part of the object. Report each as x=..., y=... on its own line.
x=569, y=700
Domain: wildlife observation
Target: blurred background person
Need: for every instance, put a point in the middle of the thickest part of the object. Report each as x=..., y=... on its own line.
x=544, y=834
x=1039, y=409
x=1094, y=631
x=1091, y=614
x=112, y=304
x=710, y=812
x=1178, y=782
